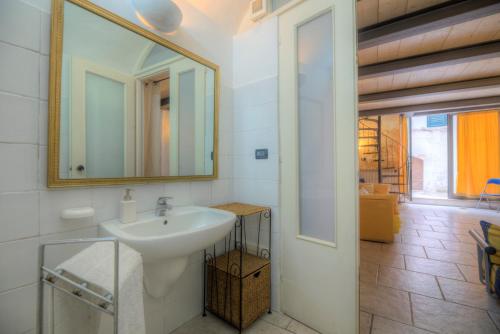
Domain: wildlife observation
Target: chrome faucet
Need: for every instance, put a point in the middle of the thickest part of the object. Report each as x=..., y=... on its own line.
x=162, y=206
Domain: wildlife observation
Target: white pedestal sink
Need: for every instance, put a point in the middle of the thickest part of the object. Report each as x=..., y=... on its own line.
x=167, y=242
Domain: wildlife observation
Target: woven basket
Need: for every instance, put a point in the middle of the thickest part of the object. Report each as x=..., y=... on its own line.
x=223, y=288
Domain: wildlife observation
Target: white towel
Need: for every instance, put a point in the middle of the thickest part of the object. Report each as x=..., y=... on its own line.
x=95, y=265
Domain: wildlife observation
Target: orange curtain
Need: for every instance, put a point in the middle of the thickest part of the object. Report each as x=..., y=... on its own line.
x=478, y=151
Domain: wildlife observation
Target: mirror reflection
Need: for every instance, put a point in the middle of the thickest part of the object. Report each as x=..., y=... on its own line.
x=130, y=107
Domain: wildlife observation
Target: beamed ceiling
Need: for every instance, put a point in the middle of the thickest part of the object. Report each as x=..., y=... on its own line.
x=441, y=55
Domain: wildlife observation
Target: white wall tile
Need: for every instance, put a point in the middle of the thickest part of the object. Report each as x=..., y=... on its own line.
x=225, y=166
x=106, y=202
x=222, y=191
x=19, y=70
x=44, y=77
x=256, y=53
x=45, y=33
x=19, y=24
x=43, y=5
x=19, y=167
x=257, y=117
x=54, y=255
x=43, y=123
x=256, y=93
x=42, y=168
x=246, y=166
x=201, y=193
x=19, y=215
x=18, y=310
x=54, y=201
x=246, y=142
x=147, y=196
x=18, y=263
x=256, y=191
x=179, y=191
x=18, y=119
x=226, y=142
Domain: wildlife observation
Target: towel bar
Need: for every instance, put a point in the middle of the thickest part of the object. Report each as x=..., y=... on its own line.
x=49, y=277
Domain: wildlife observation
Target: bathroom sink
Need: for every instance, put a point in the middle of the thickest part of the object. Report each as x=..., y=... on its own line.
x=166, y=242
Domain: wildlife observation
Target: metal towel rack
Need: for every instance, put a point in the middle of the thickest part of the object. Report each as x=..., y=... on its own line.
x=49, y=277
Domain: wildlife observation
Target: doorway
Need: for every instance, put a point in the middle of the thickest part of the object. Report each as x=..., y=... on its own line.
x=430, y=158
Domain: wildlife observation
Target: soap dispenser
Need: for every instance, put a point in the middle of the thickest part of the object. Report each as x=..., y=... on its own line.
x=128, y=208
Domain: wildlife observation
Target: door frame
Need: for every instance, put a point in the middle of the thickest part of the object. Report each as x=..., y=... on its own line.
x=77, y=152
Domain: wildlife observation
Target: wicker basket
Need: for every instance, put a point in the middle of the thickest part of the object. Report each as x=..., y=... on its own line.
x=223, y=288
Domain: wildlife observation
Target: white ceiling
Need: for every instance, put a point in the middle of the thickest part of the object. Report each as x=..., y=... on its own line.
x=91, y=37
x=226, y=13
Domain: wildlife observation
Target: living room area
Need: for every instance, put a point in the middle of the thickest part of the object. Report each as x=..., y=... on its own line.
x=429, y=166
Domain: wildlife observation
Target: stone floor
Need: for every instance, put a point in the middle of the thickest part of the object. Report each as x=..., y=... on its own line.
x=425, y=282
x=275, y=323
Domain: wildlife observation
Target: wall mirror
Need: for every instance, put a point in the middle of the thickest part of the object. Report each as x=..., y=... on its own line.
x=125, y=105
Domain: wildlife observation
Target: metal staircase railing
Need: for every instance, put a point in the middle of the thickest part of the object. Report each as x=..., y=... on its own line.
x=382, y=159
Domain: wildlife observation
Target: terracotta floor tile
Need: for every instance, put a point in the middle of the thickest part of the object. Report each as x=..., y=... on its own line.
x=205, y=325
x=468, y=294
x=467, y=238
x=386, y=326
x=419, y=241
x=263, y=327
x=298, y=328
x=438, y=235
x=369, y=245
x=451, y=256
x=471, y=273
x=368, y=272
x=444, y=317
x=278, y=319
x=459, y=246
x=433, y=267
x=420, y=227
x=409, y=281
x=365, y=322
x=384, y=258
x=404, y=249
x=386, y=302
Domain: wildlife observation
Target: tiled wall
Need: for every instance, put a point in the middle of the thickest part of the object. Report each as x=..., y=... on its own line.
x=29, y=212
x=256, y=127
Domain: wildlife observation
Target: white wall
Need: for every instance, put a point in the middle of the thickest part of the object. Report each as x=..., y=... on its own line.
x=29, y=212
x=256, y=127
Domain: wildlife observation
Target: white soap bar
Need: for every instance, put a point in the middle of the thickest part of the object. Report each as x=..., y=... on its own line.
x=77, y=213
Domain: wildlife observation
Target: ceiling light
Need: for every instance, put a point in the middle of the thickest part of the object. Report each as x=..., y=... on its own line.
x=162, y=15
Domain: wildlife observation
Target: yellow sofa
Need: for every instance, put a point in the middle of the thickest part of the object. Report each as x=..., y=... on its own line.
x=378, y=213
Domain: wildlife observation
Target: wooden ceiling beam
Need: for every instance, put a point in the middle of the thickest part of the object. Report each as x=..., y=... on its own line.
x=483, y=103
x=429, y=91
x=426, y=20
x=437, y=59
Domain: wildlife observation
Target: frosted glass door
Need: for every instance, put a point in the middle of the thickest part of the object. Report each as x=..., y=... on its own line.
x=187, y=140
x=104, y=117
x=316, y=128
x=318, y=165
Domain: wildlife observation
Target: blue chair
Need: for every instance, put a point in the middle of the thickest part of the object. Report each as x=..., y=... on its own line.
x=485, y=195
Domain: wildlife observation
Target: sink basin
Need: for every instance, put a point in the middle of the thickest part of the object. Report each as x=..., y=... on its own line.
x=167, y=242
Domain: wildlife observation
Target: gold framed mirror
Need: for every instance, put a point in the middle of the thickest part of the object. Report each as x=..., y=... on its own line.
x=126, y=105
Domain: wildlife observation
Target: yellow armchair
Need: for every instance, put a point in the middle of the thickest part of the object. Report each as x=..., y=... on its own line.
x=378, y=217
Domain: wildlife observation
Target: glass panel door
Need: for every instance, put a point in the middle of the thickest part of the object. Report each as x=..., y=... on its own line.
x=315, y=128
x=104, y=138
